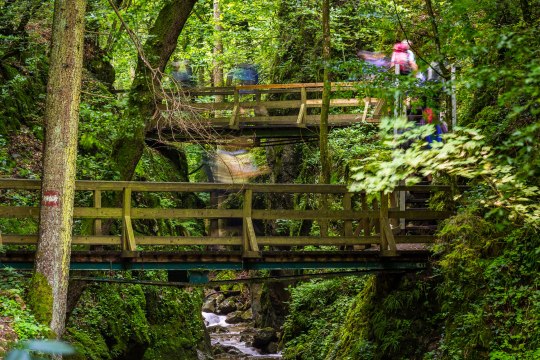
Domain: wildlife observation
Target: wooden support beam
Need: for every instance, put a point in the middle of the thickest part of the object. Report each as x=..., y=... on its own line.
x=250, y=249
x=128, y=237
x=189, y=240
x=378, y=108
x=388, y=243
x=301, y=121
x=367, y=102
x=251, y=235
x=315, y=240
x=389, y=235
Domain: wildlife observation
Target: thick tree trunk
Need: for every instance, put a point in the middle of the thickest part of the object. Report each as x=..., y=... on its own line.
x=144, y=92
x=50, y=281
x=323, y=142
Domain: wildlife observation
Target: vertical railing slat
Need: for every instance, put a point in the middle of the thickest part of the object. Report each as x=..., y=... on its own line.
x=347, y=206
x=97, y=205
x=383, y=214
x=233, y=122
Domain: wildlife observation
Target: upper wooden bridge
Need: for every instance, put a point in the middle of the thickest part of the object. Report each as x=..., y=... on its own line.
x=356, y=231
x=272, y=111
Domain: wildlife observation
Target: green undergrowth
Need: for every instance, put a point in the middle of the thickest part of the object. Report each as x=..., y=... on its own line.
x=479, y=300
x=16, y=317
x=317, y=310
x=119, y=321
x=488, y=290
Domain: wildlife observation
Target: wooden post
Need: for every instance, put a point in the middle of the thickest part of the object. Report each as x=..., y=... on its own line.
x=383, y=214
x=365, y=222
x=376, y=224
x=128, y=237
x=250, y=249
x=347, y=206
x=454, y=100
x=97, y=205
x=388, y=244
x=397, y=97
x=214, y=223
x=348, y=225
x=323, y=224
x=301, y=121
x=233, y=122
x=402, y=205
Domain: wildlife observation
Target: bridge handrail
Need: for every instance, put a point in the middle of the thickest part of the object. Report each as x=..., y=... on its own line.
x=291, y=87
x=210, y=111
x=143, y=186
x=377, y=218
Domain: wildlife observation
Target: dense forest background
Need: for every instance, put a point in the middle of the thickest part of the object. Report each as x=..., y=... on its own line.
x=480, y=298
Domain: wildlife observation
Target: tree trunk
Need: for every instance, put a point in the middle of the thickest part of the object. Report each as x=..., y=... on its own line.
x=323, y=140
x=50, y=280
x=218, y=50
x=145, y=89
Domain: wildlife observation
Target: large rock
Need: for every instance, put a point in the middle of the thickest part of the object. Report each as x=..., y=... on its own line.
x=209, y=306
x=234, y=318
x=263, y=337
x=226, y=349
x=217, y=329
x=226, y=306
x=239, y=317
x=247, y=315
x=271, y=348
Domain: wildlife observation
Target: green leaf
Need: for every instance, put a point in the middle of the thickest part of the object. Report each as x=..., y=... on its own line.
x=18, y=355
x=49, y=347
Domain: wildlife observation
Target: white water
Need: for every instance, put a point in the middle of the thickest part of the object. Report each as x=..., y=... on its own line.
x=211, y=319
x=232, y=338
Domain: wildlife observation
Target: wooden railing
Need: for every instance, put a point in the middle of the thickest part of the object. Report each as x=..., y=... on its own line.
x=236, y=111
x=349, y=221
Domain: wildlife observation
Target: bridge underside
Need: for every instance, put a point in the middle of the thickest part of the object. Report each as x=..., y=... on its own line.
x=253, y=136
x=229, y=260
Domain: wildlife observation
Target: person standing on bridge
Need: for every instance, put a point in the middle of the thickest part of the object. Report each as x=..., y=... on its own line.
x=403, y=57
x=247, y=74
x=182, y=74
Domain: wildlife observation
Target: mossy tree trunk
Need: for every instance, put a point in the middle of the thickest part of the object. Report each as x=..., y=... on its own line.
x=323, y=141
x=50, y=280
x=218, y=50
x=145, y=90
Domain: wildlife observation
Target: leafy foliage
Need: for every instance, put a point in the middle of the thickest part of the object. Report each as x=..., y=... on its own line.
x=112, y=321
x=317, y=310
x=13, y=306
x=506, y=175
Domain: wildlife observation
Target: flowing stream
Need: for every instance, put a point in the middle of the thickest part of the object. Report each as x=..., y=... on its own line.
x=229, y=336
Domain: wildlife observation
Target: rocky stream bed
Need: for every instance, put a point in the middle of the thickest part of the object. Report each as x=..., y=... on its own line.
x=229, y=321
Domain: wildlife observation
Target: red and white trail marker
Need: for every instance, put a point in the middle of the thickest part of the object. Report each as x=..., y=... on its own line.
x=51, y=198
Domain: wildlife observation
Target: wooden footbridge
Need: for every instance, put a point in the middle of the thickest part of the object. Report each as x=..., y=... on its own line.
x=272, y=111
x=113, y=220
x=356, y=231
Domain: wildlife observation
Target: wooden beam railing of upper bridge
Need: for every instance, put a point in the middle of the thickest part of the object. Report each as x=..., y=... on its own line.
x=244, y=107
x=352, y=223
